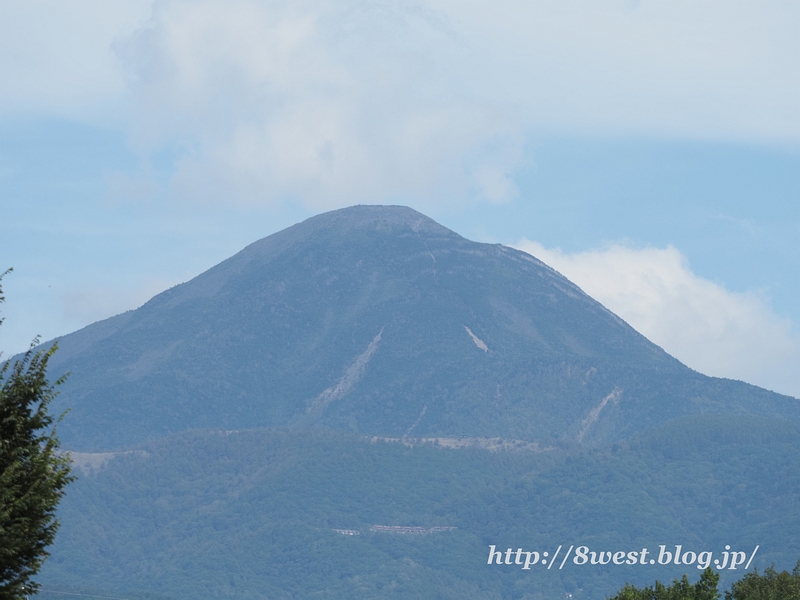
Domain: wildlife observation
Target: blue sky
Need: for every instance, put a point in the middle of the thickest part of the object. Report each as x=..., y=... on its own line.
x=649, y=151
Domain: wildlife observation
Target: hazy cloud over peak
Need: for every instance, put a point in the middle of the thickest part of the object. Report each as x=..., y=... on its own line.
x=333, y=103
x=338, y=102
x=341, y=102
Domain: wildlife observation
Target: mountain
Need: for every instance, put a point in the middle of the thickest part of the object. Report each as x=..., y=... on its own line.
x=377, y=320
x=361, y=405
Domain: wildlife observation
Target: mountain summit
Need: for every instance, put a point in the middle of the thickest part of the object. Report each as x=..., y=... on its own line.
x=378, y=320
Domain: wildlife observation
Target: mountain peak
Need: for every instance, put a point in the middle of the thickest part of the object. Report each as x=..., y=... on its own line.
x=378, y=320
x=336, y=226
x=377, y=216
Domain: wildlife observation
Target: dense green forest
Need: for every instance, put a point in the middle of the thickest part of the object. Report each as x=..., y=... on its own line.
x=253, y=513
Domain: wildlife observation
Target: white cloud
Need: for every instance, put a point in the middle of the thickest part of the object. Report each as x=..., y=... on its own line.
x=335, y=102
x=56, y=57
x=712, y=70
x=348, y=101
x=709, y=328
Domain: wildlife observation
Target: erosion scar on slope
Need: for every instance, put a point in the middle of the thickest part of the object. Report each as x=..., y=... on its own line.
x=422, y=414
x=478, y=341
x=593, y=415
x=351, y=376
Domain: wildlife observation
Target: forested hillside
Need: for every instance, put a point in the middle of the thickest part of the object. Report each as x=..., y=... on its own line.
x=253, y=514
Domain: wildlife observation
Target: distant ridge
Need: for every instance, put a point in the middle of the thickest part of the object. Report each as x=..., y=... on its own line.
x=378, y=320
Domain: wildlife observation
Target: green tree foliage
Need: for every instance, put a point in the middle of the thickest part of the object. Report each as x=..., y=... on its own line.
x=704, y=589
x=32, y=472
x=769, y=586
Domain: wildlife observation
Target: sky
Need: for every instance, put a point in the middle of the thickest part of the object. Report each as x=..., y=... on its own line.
x=649, y=151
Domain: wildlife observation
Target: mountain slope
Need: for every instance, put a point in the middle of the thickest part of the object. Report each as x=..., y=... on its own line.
x=254, y=514
x=378, y=320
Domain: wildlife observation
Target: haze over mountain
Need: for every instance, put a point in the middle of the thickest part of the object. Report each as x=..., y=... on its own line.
x=377, y=320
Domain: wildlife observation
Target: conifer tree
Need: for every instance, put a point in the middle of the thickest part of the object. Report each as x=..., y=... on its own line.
x=769, y=586
x=704, y=589
x=33, y=473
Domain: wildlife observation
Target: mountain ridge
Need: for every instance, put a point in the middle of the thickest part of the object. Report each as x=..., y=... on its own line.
x=377, y=319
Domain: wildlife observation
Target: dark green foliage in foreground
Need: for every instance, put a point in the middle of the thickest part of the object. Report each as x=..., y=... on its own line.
x=769, y=586
x=32, y=473
x=704, y=589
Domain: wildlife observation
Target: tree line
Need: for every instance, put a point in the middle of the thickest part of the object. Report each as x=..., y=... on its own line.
x=770, y=585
